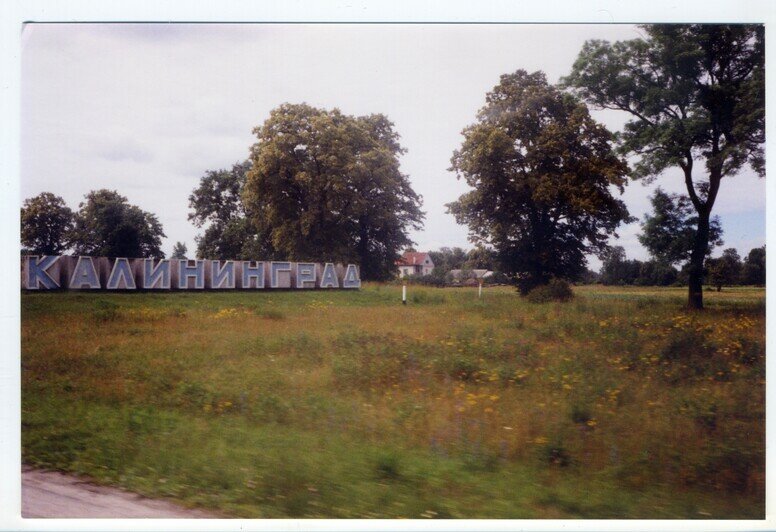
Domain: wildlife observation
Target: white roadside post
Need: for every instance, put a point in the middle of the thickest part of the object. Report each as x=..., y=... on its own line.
x=404, y=292
x=480, y=289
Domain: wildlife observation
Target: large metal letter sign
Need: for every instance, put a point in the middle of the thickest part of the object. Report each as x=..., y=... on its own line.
x=84, y=275
x=195, y=272
x=280, y=275
x=121, y=277
x=37, y=273
x=329, y=276
x=252, y=276
x=305, y=275
x=156, y=277
x=222, y=276
x=52, y=272
x=351, y=279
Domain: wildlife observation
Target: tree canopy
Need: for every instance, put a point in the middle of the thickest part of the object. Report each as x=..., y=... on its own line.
x=695, y=93
x=725, y=270
x=541, y=170
x=107, y=225
x=668, y=233
x=327, y=186
x=619, y=270
x=179, y=251
x=217, y=203
x=753, y=271
x=46, y=224
x=446, y=259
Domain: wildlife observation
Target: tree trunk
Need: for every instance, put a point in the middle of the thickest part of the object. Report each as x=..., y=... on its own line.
x=700, y=245
x=699, y=249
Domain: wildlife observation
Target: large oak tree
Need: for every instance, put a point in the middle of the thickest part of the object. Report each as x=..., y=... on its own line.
x=327, y=186
x=696, y=97
x=753, y=271
x=724, y=270
x=107, y=225
x=46, y=224
x=216, y=204
x=541, y=170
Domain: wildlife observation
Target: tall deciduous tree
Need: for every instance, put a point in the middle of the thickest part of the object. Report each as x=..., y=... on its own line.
x=446, y=259
x=541, y=170
x=753, y=271
x=696, y=94
x=327, y=186
x=217, y=204
x=107, y=225
x=480, y=258
x=616, y=269
x=669, y=232
x=725, y=270
x=46, y=224
x=656, y=273
x=179, y=251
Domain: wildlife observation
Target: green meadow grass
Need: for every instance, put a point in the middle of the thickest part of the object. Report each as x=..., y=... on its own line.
x=618, y=404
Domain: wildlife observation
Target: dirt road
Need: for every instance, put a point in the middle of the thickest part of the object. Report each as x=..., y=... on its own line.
x=52, y=494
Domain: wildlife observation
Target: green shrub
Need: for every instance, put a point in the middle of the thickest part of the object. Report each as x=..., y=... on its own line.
x=580, y=414
x=437, y=280
x=686, y=345
x=193, y=395
x=387, y=466
x=727, y=469
x=459, y=366
x=555, y=290
x=556, y=455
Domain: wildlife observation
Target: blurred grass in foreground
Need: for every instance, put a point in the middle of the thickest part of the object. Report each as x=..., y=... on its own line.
x=347, y=404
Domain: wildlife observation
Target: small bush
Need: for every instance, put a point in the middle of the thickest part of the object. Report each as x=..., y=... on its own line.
x=685, y=345
x=388, y=466
x=193, y=395
x=727, y=469
x=747, y=351
x=460, y=367
x=580, y=414
x=557, y=456
x=555, y=290
x=432, y=279
x=465, y=369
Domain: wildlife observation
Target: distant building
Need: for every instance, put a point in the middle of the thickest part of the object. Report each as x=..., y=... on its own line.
x=415, y=263
x=468, y=276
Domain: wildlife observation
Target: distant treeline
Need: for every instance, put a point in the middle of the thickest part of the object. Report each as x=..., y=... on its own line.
x=617, y=269
x=727, y=270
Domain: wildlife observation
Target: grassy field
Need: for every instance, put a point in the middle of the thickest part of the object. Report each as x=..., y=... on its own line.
x=618, y=404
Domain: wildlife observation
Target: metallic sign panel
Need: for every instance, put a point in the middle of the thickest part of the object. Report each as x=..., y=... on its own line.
x=100, y=273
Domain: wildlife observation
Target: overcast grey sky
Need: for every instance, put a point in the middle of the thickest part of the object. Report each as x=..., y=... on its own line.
x=146, y=109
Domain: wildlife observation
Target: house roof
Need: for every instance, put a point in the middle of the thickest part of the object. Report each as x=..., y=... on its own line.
x=410, y=258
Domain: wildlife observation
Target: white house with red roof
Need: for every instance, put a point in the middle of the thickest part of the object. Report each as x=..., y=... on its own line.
x=415, y=263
